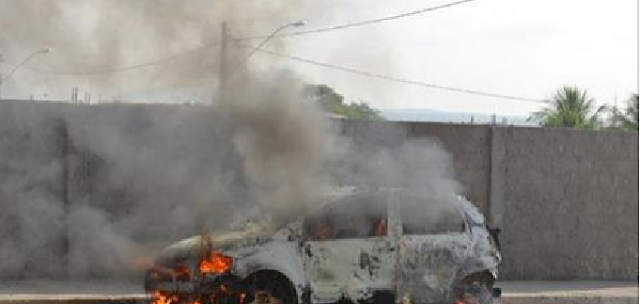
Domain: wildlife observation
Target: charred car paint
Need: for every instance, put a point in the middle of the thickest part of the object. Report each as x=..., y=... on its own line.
x=360, y=247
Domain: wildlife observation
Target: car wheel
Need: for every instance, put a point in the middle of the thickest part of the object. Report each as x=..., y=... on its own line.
x=476, y=288
x=269, y=287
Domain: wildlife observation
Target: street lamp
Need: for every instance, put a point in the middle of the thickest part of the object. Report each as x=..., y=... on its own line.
x=273, y=34
x=5, y=78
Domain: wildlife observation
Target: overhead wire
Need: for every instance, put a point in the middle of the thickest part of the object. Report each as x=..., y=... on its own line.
x=172, y=57
x=358, y=23
x=108, y=70
x=393, y=78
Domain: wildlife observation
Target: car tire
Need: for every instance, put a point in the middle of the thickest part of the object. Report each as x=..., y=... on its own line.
x=269, y=287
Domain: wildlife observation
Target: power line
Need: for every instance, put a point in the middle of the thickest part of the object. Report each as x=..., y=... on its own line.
x=358, y=23
x=395, y=79
x=110, y=70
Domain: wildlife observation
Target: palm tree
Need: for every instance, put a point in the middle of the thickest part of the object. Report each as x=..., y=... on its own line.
x=627, y=120
x=570, y=107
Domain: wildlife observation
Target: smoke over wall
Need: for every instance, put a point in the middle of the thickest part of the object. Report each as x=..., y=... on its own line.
x=132, y=178
x=87, y=191
x=140, y=177
x=105, y=34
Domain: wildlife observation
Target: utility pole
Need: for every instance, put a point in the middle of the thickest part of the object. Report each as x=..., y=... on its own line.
x=74, y=95
x=222, y=74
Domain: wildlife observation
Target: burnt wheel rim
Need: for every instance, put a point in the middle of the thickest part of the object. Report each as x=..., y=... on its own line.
x=264, y=297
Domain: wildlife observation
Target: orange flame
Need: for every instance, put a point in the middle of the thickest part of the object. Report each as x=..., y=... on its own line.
x=215, y=263
x=160, y=298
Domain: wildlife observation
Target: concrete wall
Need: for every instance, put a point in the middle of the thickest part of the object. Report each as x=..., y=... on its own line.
x=31, y=184
x=566, y=200
x=570, y=204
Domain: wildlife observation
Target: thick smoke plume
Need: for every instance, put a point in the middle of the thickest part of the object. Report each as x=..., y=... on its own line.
x=106, y=34
x=91, y=191
x=117, y=183
x=137, y=178
x=375, y=155
x=282, y=140
x=140, y=177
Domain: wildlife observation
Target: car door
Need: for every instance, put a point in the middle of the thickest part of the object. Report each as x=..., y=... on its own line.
x=347, y=250
x=434, y=245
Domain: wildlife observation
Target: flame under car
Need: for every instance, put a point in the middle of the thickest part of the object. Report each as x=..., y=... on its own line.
x=376, y=246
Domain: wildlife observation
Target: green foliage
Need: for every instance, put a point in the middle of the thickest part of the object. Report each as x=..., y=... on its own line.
x=627, y=119
x=332, y=102
x=570, y=107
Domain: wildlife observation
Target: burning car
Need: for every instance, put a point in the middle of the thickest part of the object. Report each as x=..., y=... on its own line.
x=373, y=247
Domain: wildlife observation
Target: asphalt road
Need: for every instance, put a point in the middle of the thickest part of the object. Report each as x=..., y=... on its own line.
x=531, y=292
x=569, y=288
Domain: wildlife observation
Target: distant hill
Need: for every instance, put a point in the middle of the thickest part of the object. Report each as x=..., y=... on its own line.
x=453, y=117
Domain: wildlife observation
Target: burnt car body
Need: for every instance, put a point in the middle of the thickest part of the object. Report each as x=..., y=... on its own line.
x=363, y=247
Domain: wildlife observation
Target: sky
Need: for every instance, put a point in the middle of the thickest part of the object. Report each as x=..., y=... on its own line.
x=514, y=47
x=526, y=48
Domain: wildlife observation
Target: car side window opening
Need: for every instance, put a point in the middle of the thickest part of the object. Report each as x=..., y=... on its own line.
x=358, y=216
x=420, y=216
x=379, y=227
x=322, y=231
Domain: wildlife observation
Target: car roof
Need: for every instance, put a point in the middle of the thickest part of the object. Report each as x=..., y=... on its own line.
x=352, y=194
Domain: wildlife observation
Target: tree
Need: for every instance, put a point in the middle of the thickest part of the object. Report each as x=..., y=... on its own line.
x=332, y=102
x=627, y=120
x=570, y=107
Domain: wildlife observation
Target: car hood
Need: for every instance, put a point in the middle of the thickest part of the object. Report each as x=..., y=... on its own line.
x=221, y=241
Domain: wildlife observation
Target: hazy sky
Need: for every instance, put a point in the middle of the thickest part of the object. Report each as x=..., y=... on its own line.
x=525, y=48
x=516, y=47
